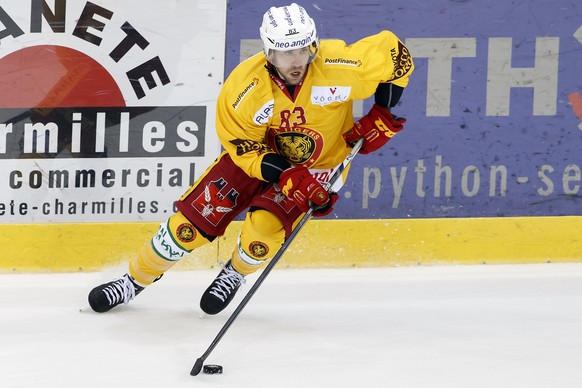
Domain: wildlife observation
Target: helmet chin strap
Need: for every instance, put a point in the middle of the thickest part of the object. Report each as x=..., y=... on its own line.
x=279, y=74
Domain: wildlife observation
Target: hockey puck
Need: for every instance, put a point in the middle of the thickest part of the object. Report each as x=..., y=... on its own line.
x=212, y=369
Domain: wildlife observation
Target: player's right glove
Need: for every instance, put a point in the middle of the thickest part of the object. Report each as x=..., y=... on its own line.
x=377, y=127
x=300, y=186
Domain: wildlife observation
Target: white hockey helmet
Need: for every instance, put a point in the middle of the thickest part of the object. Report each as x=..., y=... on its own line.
x=288, y=28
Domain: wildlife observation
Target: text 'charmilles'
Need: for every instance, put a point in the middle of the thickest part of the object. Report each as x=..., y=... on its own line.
x=102, y=132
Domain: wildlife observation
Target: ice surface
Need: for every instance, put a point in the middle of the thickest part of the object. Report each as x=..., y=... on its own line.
x=444, y=326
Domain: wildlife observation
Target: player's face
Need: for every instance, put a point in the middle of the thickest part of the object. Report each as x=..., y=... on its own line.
x=292, y=64
x=292, y=75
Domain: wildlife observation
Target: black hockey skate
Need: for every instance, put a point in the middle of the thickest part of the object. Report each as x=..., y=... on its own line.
x=106, y=296
x=222, y=290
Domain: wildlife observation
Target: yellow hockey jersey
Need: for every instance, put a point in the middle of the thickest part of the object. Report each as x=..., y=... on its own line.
x=255, y=116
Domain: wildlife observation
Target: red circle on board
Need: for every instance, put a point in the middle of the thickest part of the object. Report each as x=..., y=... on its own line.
x=55, y=76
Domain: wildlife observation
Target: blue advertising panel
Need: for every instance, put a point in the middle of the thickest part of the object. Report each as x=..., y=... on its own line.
x=494, y=107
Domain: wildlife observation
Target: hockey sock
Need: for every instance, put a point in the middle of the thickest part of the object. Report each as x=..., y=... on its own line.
x=261, y=236
x=176, y=238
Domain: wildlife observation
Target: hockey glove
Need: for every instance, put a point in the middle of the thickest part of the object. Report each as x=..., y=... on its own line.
x=324, y=210
x=300, y=186
x=377, y=127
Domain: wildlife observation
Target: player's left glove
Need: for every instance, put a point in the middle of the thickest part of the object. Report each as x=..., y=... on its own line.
x=300, y=186
x=377, y=127
x=324, y=210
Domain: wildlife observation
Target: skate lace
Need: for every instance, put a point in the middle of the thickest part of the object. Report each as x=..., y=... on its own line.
x=121, y=290
x=226, y=282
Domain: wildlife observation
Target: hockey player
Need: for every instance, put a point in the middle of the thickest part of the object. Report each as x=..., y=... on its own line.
x=284, y=118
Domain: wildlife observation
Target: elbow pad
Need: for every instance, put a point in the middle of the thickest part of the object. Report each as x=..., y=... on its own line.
x=272, y=166
x=387, y=95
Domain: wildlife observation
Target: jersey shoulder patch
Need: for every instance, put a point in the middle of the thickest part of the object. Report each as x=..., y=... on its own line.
x=248, y=78
x=336, y=55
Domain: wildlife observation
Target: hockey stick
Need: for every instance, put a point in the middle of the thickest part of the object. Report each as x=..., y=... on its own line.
x=200, y=361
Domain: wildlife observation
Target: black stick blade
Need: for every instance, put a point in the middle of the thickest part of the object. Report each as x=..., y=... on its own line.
x=197, y=367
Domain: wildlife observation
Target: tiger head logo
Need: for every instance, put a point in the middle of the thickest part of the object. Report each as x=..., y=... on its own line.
x=258, y=249
x=186, y=233
x=297, y=148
